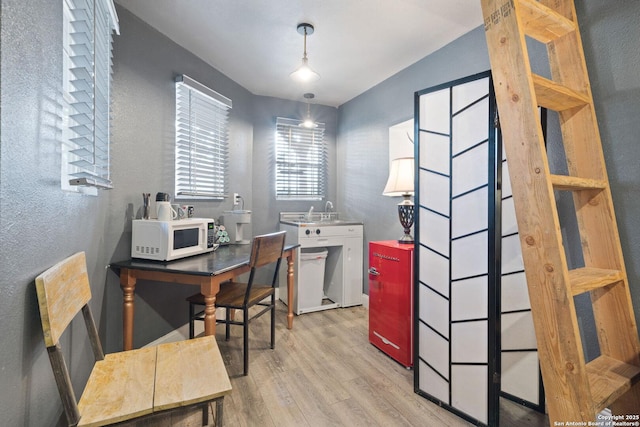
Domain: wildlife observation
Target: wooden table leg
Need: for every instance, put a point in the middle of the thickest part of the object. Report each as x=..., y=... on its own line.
x=290, y=261
x=128, y=285
x=209, y=315
x=209, y=289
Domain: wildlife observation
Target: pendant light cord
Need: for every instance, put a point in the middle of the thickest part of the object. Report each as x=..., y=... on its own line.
x=305, y=43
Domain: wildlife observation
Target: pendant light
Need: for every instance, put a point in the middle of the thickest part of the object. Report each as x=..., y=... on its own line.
x=308, y=122
x=304, y=73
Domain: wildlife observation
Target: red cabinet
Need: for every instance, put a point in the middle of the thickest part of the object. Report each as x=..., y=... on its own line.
x=391, y=299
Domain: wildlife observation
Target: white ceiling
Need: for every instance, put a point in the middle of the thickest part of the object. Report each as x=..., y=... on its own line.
x=356, y=44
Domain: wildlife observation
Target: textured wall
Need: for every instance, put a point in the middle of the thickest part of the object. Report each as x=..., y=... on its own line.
x=363, y=132
x=611, y=37
x=39, y=223
x=143, y=122
x=266, y=209
x=145, y=64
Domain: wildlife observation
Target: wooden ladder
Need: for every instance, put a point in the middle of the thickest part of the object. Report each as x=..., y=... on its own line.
x=576, y=390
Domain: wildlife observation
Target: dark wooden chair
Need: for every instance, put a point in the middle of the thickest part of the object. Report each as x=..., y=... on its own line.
x=131, y=384
x=265, y=250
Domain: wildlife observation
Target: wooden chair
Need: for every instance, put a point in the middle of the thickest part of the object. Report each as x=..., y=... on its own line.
x=265, y=250
x=130, y=384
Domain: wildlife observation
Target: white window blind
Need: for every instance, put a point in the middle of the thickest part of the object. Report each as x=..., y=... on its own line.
x=301, y=155
x=202, y=129
x=88, y=29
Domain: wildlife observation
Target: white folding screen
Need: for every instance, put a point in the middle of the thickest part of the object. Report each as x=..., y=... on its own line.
x=459, y=248
x=520, y=378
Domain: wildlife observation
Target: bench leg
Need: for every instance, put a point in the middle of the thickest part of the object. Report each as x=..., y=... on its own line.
x=219, y=414
x=205, y=414
x=191, y=321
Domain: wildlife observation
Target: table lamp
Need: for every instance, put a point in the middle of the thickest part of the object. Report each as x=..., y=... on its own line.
x=400, y=183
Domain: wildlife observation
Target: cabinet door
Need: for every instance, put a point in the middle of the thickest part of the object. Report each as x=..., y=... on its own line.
x=390, y=301
x=352, y=291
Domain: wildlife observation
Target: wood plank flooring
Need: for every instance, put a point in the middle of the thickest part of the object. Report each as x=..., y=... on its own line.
x=325, y=372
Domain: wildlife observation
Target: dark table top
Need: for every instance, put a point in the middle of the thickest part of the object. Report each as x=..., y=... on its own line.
x=223, y=259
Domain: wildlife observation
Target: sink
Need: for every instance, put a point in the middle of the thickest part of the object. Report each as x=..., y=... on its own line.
x=302, y=219
x=305, y=223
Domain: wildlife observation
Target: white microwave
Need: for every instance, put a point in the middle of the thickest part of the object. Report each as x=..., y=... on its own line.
x=169, y=240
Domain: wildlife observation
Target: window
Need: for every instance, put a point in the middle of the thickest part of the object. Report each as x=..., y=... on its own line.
x=88, y=27
x=300, y=161
x=202, y=128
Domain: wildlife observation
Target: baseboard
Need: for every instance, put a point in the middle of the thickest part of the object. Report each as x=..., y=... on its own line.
x=365, y=301
x=182, y=333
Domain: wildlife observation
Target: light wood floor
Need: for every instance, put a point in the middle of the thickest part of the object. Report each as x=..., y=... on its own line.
x=325, y=372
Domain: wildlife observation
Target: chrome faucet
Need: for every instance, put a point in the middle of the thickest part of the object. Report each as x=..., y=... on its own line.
x=309, y=213
x=328, y=207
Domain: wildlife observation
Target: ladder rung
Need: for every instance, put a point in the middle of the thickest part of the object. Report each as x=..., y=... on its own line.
x=589, y=278
x=556, y=97
x=609, y=379
x=542, y=23
x=572, y=183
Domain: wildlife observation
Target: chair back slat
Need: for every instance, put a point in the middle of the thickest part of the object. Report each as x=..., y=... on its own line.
x=267, y=248
x=62, y=292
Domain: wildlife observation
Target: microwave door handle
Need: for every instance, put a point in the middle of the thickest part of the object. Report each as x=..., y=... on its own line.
x=205, y=238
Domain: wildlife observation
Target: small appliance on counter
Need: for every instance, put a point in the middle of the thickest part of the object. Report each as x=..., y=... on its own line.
x=163, y=197
x=238, y=226
x=169, y=240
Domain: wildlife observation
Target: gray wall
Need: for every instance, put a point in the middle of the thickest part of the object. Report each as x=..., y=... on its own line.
x=363, y=132
x=144, y=65
x=39, y=224
x=143, y=122
x=611, y=37
x=266, y=208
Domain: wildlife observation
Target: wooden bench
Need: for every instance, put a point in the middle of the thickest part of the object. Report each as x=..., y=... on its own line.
x=130, y=384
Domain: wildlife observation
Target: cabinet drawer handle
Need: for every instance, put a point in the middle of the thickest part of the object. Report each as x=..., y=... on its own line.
x=386, y=341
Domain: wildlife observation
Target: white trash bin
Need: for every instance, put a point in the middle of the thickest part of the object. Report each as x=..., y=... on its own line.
x=311, y=277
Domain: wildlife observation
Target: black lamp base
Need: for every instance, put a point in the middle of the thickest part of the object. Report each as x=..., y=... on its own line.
x=405, y=213
x=407, y=239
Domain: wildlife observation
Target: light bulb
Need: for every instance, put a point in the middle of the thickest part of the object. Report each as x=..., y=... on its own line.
x=304, y=73
x=308, y=123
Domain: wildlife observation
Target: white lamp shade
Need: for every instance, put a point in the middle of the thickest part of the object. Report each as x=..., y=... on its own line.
x=400, y=181
x=304, y=73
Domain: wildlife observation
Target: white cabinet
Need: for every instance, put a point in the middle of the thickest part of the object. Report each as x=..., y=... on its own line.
x=343, y=273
